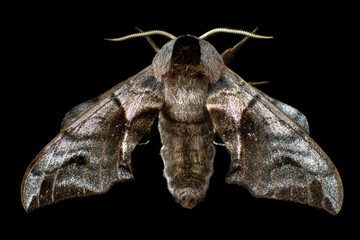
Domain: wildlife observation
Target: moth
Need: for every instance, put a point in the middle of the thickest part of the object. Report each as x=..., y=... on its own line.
x=195, y=96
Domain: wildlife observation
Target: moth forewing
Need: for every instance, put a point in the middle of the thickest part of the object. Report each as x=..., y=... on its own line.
x=93, y=152
x=272, y=156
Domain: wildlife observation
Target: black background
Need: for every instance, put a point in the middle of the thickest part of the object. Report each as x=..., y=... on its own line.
x=59, y=59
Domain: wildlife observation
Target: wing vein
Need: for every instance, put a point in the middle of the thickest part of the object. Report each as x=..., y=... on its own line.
x=103, y=157
x=273, y=161
x=54, y=185
x=107, y=138
x=46, y=168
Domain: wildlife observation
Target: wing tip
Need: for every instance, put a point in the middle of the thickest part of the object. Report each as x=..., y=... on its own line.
x=29, y=204
x=333, y=207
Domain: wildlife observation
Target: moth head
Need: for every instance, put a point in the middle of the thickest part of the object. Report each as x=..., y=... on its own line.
x=188, y=56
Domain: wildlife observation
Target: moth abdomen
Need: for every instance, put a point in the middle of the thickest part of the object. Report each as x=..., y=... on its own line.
x=187, y=175
x=188, y=154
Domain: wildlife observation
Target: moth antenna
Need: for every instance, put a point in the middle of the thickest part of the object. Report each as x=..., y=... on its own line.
x=142, y=34
x=233, y=31
x=150, y=41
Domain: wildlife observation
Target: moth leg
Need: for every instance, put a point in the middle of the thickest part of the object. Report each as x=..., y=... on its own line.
x=145, y=139
x=217, y=140
x=150, y=41
x=229, y=53
x=143, y=143
x=258, y=83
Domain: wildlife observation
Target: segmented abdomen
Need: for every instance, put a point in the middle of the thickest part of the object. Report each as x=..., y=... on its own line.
x=188, y=153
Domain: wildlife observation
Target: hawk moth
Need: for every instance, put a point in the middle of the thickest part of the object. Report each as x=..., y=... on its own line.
x=195, y=96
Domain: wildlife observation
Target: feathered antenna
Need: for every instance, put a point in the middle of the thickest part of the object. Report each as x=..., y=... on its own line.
x=233, y=31
x=142, y=34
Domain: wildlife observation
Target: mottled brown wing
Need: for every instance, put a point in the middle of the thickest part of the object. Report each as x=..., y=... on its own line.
x=270, y=154
x=94, y=151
